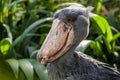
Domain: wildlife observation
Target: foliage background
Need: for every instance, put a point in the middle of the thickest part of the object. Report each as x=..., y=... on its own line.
x=24, y=24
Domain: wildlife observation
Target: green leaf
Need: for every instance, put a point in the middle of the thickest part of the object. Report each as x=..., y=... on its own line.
x=30, y=49
x=97, y=49
x=98, y=7
x=98, y=46
x=67, y=4
x=8, y=32
x=5, y=71
x=15, y=2
x=31, y=5
x=33, y=54
x=117, y=35
x=83, y=45
x=40, y=70
x=30, y=28
x=14, y=65
x=103, y=27
x=43, y=36
x=35, y=24
x=110, y=18
x=27, y=68
x=4, y=45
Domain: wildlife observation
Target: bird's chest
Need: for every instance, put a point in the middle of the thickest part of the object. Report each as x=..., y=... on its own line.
x=64, y=73
x=56, y=72
x=61, y=76
x=74, y=69
x=69, y=76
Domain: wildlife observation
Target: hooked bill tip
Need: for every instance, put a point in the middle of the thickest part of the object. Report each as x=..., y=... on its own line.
x=42, y=59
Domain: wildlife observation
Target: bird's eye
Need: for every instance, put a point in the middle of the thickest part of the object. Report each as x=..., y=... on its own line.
x=69, y=19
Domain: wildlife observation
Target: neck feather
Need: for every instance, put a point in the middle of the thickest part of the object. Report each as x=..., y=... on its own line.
x=58, y=70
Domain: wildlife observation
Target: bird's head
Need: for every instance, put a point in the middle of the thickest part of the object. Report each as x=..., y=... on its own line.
x=70, y=26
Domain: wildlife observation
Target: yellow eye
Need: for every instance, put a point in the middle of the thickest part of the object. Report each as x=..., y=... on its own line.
x=69, y=19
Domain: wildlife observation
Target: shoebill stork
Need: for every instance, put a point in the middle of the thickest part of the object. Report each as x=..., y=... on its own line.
x=70, y=26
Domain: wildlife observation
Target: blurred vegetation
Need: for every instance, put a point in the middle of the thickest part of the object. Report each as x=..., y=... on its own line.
x=24, y=25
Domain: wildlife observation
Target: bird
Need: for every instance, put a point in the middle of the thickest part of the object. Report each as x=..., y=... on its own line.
x=70, y=26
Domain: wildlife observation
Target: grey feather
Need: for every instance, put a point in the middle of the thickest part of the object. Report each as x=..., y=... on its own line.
x=78, y=66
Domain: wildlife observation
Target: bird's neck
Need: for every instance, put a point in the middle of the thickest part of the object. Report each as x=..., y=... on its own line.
x=59, y=69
